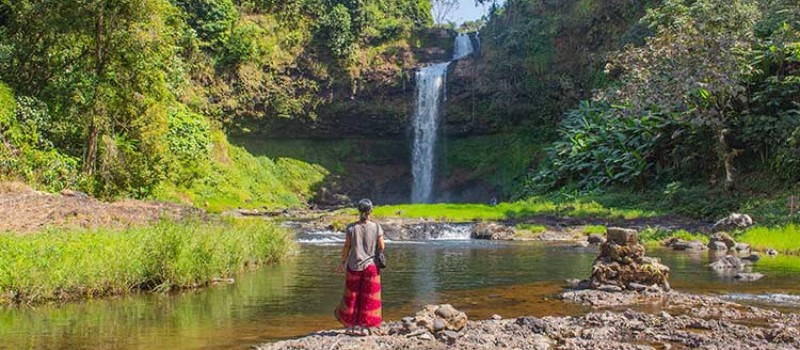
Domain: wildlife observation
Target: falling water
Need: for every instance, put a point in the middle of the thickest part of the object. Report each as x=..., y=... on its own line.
x=431, y=82
x=463, y=47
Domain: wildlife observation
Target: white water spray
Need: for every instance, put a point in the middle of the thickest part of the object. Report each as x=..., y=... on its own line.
x=431, y=81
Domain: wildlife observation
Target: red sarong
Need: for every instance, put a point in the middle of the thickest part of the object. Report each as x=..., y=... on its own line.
x=361, y=304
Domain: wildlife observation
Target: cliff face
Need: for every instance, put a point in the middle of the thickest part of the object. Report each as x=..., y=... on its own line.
x=502, y=103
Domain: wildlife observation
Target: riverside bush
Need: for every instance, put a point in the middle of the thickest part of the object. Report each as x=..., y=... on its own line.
x=62, y=265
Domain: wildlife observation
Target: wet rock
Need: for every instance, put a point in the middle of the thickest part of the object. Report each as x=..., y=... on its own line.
x=752, y=258
x=772, y=252
x=493, y=231
x=622, y=236
x=729, y=262
x=742, y=248
x=721, y=237
x=717, y=246
x=595, y=239
x=733, y=221
x=748, y=277
x=689, y=245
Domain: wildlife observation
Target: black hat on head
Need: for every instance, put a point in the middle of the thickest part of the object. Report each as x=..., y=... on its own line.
x=364, y=206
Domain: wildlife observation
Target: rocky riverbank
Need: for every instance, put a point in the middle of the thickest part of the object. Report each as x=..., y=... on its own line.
x=627, y=320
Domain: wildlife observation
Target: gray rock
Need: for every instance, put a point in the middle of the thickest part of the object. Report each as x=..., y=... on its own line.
x=752, y=258
x=446, y=311
x=622, y=236
x=742, y=247
x=497, y=317
x=729, y=262
x=638, y=287
x=733, y=221
x=493, y=231
x=595, y=239
x=449, y=336
x=609, y=288
x=425, y=336
x=438, y=325
x=748, y=277
x=772, y=252
x=572, y=283
x=717, y=246
x=689, y=245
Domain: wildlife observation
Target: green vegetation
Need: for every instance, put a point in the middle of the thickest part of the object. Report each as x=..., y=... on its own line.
x=531, y=207
x=783, y=239
x=709, y=98
x=236, y=178
x=120, y=99
x=657, y=235
x=594, y=229
x=59, y=265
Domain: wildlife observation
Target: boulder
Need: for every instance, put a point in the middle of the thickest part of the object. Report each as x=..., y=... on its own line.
x=437, y=318
x=595, y=239
x=688, y=245
x=732, y=222
x=729, y=262
x=622, y=236
x=742, y=248
x=748, y=277
x=721, y=237
x=493, y=231
x=717, y=246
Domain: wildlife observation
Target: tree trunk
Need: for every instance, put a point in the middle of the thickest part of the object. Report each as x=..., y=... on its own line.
x=726, y=156
x=90, y=155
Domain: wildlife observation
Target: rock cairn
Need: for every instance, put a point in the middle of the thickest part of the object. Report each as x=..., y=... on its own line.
x=622, y=265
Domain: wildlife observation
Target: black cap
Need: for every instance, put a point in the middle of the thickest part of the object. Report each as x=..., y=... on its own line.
x=365, y=206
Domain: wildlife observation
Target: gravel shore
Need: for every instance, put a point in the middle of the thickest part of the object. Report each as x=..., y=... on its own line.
x=626, y=320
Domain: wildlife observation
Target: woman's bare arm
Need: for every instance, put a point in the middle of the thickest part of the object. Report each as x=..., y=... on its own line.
x=345, y=249
x=381, y=243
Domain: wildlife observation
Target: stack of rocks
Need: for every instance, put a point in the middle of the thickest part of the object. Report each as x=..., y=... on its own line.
x=622, y=265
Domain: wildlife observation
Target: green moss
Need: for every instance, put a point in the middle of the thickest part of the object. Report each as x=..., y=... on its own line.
x=70, y=264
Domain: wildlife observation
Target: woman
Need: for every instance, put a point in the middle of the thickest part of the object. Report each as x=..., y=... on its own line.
x=360, y=309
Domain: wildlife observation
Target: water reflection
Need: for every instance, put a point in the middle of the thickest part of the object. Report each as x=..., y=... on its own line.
x=298, y=296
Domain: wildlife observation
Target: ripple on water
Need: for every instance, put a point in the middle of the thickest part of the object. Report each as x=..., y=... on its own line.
x=774, y=299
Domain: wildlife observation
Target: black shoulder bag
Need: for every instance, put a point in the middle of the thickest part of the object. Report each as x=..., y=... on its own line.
x=380, y=259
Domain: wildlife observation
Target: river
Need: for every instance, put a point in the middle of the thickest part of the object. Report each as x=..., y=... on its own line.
x=297, y=296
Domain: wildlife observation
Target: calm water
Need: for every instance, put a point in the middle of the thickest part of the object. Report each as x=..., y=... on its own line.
x=297, y=297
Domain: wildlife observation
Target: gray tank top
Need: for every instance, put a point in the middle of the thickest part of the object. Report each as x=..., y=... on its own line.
x=363, y=239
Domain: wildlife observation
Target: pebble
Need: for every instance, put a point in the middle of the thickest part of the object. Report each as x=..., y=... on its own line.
x=438, y=325
x=497, y=317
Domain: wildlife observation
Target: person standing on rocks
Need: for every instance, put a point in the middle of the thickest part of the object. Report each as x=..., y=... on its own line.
x=360, y=308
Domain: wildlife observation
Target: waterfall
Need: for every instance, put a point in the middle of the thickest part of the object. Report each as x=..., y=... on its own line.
x=463, y=47
x=431, y=81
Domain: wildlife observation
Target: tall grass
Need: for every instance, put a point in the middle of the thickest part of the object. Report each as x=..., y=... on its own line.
x=785, y=239
x=61, y=265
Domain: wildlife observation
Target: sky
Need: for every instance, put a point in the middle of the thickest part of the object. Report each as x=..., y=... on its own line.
x=467, y=11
